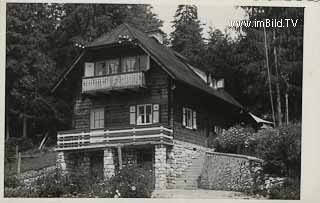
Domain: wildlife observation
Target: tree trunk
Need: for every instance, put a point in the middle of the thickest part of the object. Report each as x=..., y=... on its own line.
x=24, y=132
x=269, y=79
x=287, y=108
x=277, y=81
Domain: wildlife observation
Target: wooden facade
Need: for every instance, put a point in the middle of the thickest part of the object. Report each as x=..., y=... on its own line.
x=136, y=101
x=158, y=88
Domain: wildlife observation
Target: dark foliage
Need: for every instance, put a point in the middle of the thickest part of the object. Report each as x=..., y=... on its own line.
x=133, y=182
x=289, y=190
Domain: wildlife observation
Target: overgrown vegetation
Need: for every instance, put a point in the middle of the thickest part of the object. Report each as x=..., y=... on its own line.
x=280, y=149
x=130, y=182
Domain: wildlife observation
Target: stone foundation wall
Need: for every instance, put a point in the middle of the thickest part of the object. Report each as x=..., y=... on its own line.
x=160, y=166
x=180, y=157
x=78, y=162
x=108, y=163
x=229, y=172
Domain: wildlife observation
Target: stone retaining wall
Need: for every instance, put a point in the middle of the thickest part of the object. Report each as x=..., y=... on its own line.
x=180, y=157
x=229, y=172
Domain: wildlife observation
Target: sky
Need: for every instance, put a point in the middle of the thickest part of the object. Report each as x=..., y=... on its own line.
x=216, y=16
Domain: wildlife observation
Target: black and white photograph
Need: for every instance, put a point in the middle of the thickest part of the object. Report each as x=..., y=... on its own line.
x=125, y=100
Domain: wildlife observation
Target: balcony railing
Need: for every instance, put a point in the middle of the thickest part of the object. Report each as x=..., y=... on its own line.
x=88, y=139
x=114, y=82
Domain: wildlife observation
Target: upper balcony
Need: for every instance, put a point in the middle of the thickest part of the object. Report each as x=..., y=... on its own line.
x=121, y=81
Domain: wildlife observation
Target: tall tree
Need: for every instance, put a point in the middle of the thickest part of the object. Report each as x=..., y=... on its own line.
x=40, y=45
x=29, y=68
x=285, y=56
x=187, y=35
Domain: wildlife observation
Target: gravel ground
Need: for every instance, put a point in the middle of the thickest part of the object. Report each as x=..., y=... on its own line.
x=201, y=194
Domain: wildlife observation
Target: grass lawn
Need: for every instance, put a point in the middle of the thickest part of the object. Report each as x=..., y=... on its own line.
x=38, y=161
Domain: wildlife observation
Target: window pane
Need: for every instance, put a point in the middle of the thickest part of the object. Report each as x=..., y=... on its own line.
x=129, y=64
x=112, y=66
x=143, y=59
x=100, y=68
x=189, y=118
x=97, y=118
x=148, y=114
x=89, y=70
x=141, y=110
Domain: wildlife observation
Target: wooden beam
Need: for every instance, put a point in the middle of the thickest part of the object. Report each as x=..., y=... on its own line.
x=120, y=157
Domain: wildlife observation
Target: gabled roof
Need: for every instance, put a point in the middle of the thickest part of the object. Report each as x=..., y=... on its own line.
x=259, y=120
x=165, y=57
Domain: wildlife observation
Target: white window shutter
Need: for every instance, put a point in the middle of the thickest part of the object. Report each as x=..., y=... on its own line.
x=155, y=113
x=132, y=115
x=194, y=122
x=183, y=116
x=88, y=69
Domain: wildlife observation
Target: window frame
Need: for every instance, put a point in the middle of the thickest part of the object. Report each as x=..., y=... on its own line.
x=188, y=111
x=138, y=121
x=190, y=123
x=93, y=119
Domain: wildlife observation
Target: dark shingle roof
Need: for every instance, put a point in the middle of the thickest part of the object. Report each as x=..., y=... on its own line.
x=166, y=57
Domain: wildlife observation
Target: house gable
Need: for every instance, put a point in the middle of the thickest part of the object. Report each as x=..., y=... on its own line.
x=162, y=55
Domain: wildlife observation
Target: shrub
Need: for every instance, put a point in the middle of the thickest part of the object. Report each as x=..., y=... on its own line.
x=280, y=149
x=290, y=189
x=11, y=181
x=132, y=182
x=234, y=140
x=54, y=185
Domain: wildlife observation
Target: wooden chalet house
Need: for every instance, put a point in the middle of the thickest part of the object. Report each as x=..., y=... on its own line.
x=137, y=101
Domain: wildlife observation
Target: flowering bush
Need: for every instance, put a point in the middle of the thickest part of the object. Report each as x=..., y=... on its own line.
x=234, y=140
x=132, y=181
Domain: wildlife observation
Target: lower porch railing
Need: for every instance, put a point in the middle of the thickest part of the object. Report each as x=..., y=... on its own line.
x=84, y=139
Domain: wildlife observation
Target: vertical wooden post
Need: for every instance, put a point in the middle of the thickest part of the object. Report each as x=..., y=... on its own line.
x=24, y=132
x=269, y=78
x=287, y=108
x=277, y=81
x=120, y=157
x=18, y=159
x=19, y=164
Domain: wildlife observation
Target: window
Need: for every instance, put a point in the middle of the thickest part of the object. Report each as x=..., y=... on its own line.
x=100, y=68
x=107, y=67
x=88, y=69
x=129, y=64
x=145, y=114
x=218, y=130
x=112, y=66
x=189, y=118
x=97, y=118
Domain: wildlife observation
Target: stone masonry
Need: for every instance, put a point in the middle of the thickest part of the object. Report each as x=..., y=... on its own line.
x=108, y=163
x=160, y=167
x=61, y=163
x=229, y=172
x=180, y=157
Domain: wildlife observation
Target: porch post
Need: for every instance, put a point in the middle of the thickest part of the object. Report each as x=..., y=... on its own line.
x=61, y=163
x=108, y=163
x=160, y=167
x=120, y=157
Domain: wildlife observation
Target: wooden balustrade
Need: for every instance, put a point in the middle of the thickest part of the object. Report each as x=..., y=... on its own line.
x=72, y=140
x=114, y=82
